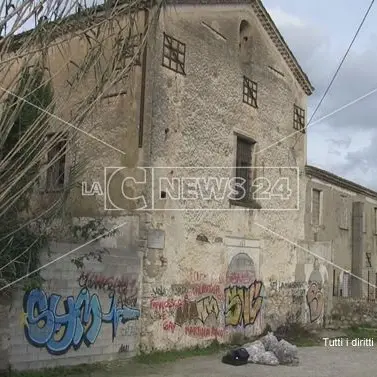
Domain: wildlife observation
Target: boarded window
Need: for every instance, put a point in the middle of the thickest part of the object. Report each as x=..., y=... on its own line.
x=243, y=168
x=316, y=207
x=343, y=213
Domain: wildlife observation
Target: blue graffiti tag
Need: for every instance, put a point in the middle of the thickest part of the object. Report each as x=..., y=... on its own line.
x=81, y=321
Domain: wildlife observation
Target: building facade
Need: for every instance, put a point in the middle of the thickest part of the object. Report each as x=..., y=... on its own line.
x=214, y=93
x=344, y=213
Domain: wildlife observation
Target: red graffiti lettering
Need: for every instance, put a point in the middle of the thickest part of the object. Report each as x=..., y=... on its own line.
x=166, y=304
x=203, y=289
x=239, y=277
x=169, y=326
x=203, y=332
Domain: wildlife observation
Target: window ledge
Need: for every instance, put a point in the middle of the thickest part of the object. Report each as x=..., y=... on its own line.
x=249, y=203
x=344, y=227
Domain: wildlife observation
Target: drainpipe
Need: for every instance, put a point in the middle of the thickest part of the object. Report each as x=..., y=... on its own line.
x=143, y=79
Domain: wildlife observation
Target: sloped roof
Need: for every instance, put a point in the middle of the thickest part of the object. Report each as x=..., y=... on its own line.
x=271, y=29
x=78, y=21
x=328, y=177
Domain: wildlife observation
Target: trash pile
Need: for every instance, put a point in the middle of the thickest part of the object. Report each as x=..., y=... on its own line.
x=268, y=351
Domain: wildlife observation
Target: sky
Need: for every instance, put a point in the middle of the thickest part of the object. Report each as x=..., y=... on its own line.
x=319, y=33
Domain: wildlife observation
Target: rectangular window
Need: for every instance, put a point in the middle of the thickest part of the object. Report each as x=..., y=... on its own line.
x=174, y=53
x=316, y=206
x=334, y=284
x=368, y=260
x=375, y=220
x=56, y=159
x=346, y=285
x=343, y=213
x=243, y=168
x=298, y=118
x=250, y=91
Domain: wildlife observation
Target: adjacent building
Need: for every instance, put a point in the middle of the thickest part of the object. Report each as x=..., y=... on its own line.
x=344, y=213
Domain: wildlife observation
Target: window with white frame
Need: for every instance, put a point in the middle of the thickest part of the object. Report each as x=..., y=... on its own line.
x=316, y=208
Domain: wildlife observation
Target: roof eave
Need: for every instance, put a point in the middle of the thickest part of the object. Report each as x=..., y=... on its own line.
x=282, y=46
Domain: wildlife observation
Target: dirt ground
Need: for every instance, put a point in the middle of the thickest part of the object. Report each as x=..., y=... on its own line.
x=314, y=362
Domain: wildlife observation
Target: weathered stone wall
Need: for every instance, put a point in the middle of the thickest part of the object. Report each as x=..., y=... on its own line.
x=286, y=303
x=347, y=312
x=82, y=313
x=196, y=119
x=199, y=306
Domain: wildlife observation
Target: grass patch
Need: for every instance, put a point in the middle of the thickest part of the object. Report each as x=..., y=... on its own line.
x=69, y=371
x=362, y=331
x=297, y=335
x=158, y=357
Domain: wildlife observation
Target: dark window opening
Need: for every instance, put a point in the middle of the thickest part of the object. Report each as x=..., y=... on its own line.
x=244, y=168
x=174, y=53
x=250, y=90
x=56, y=159
x=299, y=119
x=316, y=207
x=368, y=259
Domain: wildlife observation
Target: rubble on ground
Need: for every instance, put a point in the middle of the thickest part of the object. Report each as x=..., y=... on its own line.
x=270, y=351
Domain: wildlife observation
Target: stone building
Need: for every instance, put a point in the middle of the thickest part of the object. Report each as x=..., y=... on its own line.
x=216, y=88
x=344, y=213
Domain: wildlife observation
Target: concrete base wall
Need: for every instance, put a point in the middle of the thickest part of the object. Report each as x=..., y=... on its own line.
x=83, y=313
x=348, y=312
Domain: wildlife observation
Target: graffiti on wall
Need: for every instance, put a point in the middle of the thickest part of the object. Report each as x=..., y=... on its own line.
x=80, y=322
x=123, y=288
x=243, y=293
x=193, y=307
x=314, y=296
x=192, y=310
x=243, y=304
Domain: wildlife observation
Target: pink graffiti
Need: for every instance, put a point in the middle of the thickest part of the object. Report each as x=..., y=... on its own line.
x=203, y=332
